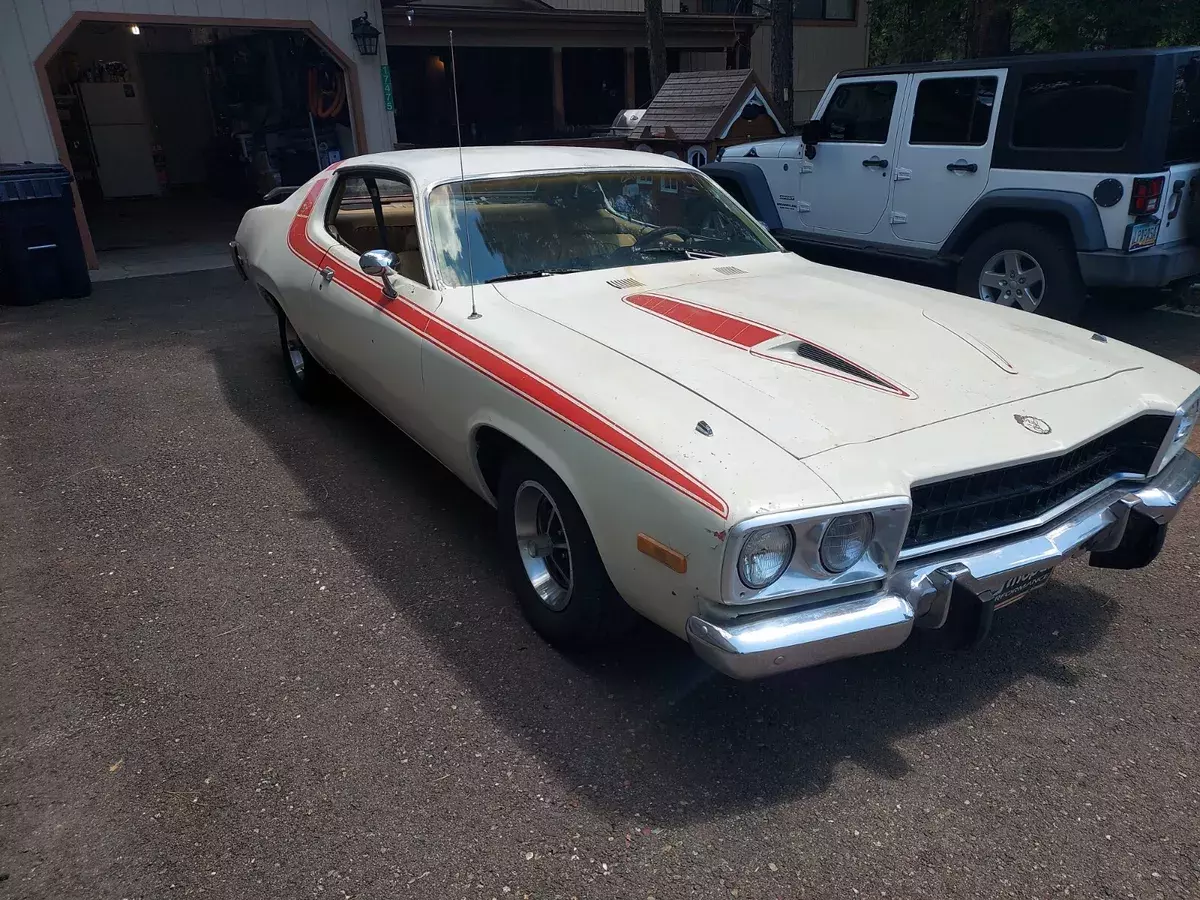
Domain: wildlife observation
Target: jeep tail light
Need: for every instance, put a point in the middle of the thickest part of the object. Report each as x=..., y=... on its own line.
x=1146, y=195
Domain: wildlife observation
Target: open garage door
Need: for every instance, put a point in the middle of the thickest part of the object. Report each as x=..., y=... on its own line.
x=174, y=130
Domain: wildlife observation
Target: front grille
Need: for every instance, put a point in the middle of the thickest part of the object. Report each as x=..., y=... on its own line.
x=976, y=503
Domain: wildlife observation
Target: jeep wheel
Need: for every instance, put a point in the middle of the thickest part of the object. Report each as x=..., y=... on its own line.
x=1026, y=266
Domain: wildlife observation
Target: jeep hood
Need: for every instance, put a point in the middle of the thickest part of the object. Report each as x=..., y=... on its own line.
x=813, y=357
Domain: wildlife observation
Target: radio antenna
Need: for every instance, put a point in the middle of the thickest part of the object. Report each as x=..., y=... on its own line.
x=462, y=175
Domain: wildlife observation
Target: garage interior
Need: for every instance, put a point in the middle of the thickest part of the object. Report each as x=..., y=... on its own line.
x=174, y=131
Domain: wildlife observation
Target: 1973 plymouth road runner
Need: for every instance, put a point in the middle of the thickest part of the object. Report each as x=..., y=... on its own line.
x=782, y=462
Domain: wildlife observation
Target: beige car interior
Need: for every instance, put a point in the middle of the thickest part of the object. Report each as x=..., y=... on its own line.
x=527, y=234
x=545, y=234
x=354, y=225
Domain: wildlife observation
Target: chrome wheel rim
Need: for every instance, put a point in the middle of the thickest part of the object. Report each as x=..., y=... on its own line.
x=543, y=545
x=294, y=354
x=1013, y=278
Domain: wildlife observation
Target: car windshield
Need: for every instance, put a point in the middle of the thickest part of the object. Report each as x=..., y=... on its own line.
x=501, y=229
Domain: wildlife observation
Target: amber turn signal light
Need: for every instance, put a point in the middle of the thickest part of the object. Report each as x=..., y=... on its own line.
x=660, y=552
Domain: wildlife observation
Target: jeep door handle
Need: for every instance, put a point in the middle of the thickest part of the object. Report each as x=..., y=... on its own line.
x=875, y=163
x=962, y=166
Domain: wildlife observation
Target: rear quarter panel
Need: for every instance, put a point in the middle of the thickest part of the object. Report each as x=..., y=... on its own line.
x=270, y=264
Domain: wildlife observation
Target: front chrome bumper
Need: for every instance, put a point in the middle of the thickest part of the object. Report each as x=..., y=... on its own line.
x=918, y=591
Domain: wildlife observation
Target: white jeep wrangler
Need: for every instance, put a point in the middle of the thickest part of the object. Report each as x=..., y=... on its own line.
x=1037, y=177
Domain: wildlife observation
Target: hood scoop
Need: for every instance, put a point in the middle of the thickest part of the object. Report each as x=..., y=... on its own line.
x=820, y=355
x=799, y=352
x=757, y=338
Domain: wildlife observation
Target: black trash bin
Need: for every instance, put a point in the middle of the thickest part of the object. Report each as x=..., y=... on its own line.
x=41, y=253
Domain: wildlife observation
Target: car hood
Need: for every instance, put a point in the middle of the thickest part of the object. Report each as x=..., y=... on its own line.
x=813, y=357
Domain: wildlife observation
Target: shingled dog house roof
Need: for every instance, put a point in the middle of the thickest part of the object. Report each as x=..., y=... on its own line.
x=702, y=106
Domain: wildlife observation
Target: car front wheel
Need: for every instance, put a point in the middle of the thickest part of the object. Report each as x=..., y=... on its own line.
x=552, y=560
x=1025, y=266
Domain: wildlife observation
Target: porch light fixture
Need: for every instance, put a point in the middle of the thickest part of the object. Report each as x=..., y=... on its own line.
x=133, y=29
x=366, y=35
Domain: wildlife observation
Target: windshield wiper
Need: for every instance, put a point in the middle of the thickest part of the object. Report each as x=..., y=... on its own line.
x=686, y=251
x=533, y=273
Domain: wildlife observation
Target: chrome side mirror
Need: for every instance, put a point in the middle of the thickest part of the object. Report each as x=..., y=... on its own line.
x=380, y=264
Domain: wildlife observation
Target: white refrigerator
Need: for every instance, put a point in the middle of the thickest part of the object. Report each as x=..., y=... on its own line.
x=120, y=139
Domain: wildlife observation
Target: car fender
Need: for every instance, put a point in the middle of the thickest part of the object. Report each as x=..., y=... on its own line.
x=1078, y=210
x=755, y=189
x=589, y=472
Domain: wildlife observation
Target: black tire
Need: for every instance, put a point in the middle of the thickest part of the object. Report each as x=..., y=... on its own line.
x=307, y=376
x=1062, y=295
x=592, y=612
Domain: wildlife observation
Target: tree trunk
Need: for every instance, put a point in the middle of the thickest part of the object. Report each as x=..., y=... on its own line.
x=656, y=44
x=782, y=40
x=989, y=31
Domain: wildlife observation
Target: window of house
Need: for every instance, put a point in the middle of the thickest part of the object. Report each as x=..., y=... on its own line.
x=953, y=111
x=697, y=156
x=1087, y=110
x=371, y=212
x=835, y=10
x=1183, y=138
x=860, y=112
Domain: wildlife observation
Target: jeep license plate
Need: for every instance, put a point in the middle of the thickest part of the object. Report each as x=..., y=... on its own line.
x=1143, y=234
x=1018, y=586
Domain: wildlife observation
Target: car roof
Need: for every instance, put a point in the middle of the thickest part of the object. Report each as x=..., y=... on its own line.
x=433, y=166
x=1029, y=59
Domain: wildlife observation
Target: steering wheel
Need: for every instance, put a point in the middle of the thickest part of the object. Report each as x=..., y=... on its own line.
x=655, y=235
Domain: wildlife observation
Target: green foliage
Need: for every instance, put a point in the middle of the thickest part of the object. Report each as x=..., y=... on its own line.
x=921, y=30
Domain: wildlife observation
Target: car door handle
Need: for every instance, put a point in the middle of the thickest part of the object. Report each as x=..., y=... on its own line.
x=327, y=274
x=962, y=166
x=875, y=163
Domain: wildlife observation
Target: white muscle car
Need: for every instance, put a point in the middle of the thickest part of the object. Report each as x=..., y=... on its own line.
x=782, y=462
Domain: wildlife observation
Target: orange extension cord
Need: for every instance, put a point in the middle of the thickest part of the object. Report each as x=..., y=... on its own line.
x=325, y=104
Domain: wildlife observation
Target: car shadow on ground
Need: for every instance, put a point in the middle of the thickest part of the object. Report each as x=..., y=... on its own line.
x=644, y=728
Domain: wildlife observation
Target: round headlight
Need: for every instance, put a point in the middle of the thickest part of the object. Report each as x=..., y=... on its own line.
x=846, y=540
x=765, y=555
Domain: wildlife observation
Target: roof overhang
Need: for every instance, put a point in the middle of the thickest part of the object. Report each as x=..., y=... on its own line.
x=532, y=26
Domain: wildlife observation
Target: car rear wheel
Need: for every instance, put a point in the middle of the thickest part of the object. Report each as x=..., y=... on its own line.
x=552, y=560
x=1024, y=266
x=307, y=376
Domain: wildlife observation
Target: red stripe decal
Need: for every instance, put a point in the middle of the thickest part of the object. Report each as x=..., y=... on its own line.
x=724, y=327
x=495, y=365
x=748, y=334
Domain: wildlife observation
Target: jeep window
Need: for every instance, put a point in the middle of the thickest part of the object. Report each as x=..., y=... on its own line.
x=1083, y=110
x=1183, y=138
x=953, y=111
x=860, y=112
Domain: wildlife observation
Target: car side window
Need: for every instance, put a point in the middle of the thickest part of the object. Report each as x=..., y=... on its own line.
x=1085, y=110
x=955, y=111
x=860, y=112
x=374, y=212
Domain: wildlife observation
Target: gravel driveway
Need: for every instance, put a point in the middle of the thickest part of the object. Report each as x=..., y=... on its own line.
x=254, y=649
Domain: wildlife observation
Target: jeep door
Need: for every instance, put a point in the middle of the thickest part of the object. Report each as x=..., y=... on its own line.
x=847, y=189
x=944, y=152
